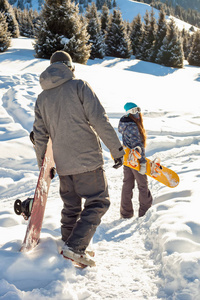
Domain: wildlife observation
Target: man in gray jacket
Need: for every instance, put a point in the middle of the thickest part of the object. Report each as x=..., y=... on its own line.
x=70, y=113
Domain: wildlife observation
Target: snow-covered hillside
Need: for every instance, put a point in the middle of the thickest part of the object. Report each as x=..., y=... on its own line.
x=129, y=8
x=154, y=257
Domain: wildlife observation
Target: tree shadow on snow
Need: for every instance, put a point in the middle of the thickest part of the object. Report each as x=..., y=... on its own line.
x=151, y=69
x=25, y=54
x=134, y=65
x=198, y=78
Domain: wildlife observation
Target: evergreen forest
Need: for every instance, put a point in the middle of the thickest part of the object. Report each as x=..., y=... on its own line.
x=99, y=32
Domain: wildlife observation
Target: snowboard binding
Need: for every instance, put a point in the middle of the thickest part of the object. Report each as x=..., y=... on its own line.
x=23, y=208
x=156, y=168
x=134, y=155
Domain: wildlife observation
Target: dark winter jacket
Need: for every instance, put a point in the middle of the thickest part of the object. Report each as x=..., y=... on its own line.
x=130, y=135
x=71, y=114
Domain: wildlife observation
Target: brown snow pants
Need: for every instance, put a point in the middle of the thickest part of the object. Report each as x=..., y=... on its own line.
x=79, y=223
x=145, y=197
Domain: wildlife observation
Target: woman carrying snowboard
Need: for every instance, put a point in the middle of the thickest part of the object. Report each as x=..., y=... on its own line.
x=134, y=137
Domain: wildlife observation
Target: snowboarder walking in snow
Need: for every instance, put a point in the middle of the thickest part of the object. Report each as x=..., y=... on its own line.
x=70, y=113
x=134, y=136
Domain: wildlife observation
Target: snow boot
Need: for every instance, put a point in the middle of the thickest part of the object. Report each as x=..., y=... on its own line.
x=81, y=260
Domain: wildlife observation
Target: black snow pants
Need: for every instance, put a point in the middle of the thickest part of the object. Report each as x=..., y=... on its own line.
x=79, y=223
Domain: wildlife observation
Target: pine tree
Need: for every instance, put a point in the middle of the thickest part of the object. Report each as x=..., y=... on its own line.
x=5, y=36
x=85, y=4
x=128, y=27
x=13, y=27
x=99, y=4
x=108, y=3
x=136, y=34
x=194, y=55
x=62, y=29
x=114, y=4
x=40, y=3
x=160, y=34
x=152, y=35
x=94, y=30
x=186, y=42
x=26, y=26
x=148, y=38
x=104, y=18
x=35, y=18
x=117, y=41
x=171, y=52
x=20, y=4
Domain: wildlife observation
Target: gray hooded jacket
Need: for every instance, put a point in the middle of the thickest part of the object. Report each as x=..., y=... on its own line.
x=71, y=114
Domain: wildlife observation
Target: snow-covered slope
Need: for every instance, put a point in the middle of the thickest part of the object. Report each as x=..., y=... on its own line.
x=154, y=257
x=130, y=9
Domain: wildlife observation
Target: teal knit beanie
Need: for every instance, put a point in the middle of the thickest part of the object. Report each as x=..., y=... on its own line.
x=129, y=105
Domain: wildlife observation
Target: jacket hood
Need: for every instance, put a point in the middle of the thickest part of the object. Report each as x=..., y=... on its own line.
x=55, y=75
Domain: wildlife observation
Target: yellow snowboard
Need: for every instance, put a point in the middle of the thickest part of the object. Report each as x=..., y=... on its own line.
x=154, y=170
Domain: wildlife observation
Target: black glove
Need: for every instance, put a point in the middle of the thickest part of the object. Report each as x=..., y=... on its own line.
x=118, y=162
x=52, y=172
x=32, y=137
